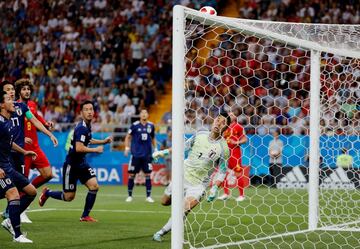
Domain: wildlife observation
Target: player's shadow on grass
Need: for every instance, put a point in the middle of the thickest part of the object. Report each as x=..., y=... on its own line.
x=92, y=243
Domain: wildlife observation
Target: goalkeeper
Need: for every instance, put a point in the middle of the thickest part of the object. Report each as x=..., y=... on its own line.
x=206, y=151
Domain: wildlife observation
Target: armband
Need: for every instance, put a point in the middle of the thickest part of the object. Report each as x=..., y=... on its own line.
x=29, y=115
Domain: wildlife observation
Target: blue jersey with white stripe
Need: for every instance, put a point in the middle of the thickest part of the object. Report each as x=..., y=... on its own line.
x=5, y=141
x=18, y=122
x=82, y=133
x=141, y=139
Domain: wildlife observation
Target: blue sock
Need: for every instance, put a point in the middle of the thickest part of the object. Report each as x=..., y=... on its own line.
x=89, y=202
x=130, y=185
x=148, y=186
x=58, y=195
x=25, y=201
x=14, y=215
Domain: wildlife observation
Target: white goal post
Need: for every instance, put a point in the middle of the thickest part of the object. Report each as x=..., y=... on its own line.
x=319, y=41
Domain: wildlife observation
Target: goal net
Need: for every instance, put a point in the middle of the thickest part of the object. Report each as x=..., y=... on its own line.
x=301, y=81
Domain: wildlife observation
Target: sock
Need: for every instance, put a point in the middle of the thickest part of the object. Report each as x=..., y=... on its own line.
x=226, y=187
x=14, y=215
x=166, y=228
x=38, y=181
x=148, y=186
x=89, y=202
x=130, y=185
x=25, y=202
x=241, y=184
x=58, y=195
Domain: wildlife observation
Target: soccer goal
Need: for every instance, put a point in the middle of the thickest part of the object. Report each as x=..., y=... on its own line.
x=300, y=80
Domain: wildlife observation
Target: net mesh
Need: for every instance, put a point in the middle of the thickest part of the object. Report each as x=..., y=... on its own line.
x=266, y=83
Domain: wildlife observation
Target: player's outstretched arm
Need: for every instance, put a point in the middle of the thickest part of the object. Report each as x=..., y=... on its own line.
x=42, y=128
x=17, y=148
x=81, y=148
x=102, y=141
x=161, y=153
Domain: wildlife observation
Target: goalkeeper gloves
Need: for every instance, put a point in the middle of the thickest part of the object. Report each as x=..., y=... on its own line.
x=212, y=193
x=161, y=153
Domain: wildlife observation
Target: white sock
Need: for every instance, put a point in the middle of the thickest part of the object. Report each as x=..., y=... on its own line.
x=166, y=228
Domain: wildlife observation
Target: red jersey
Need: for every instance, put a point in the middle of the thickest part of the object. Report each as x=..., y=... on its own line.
x=234, y=132
x=30, y=129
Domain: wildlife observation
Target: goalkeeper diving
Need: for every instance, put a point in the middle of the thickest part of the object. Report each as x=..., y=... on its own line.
x=207, y=150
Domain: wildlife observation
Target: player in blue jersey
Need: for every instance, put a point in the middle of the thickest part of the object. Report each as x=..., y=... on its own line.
x=10, y=179
x=18, y=119
x=76, y=168
x=140, y=141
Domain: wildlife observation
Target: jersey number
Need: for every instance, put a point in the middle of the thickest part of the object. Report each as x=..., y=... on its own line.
x=91, y=171
x=200, y=154
x=144, y=136
x=15, y=121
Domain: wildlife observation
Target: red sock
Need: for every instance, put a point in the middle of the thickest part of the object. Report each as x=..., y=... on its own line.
x=226, y=187
x=241, y=185
x=38, y=181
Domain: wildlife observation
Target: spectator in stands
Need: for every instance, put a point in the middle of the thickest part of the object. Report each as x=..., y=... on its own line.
x=150, y=92
x=120, y=99
x=142, y=70
x=135, y=81
x=107, y=124
x=82, y=96
x=75, y=88
x=104, y=112
x=344, y=160
x=137, y=51
x=275, y=152
x=129, y=110
x=107, y=72
x=50, y=113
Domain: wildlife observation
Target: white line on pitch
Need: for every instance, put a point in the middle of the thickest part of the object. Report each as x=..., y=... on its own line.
x=96, y=210
x=157, y=212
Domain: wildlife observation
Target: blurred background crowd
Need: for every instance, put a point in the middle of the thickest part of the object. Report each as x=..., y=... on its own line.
x=308, y=11
x=118, y=54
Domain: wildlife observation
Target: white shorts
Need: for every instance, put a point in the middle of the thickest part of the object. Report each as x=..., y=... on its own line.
x=190, y=190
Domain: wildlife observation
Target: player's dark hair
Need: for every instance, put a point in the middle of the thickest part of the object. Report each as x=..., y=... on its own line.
x=19, y=84
x=5, y=82
x=227, y=117
x=2, y=96
x=86, y=102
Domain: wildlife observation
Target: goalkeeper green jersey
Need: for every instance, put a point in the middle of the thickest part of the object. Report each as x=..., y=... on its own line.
x=205, y=154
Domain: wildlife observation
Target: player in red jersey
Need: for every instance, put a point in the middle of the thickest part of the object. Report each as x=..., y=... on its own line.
x=24, y=88
x=235, y=136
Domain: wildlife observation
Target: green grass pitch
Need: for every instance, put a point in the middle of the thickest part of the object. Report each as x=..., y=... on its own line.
x=131, y=225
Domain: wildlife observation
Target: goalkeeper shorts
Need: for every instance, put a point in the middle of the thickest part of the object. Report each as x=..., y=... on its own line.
x=190, y=190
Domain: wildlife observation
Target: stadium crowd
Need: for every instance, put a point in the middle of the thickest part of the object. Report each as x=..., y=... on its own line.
x=310, y=11
x=115, y=53
x=268, y=84
x=119, y=56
